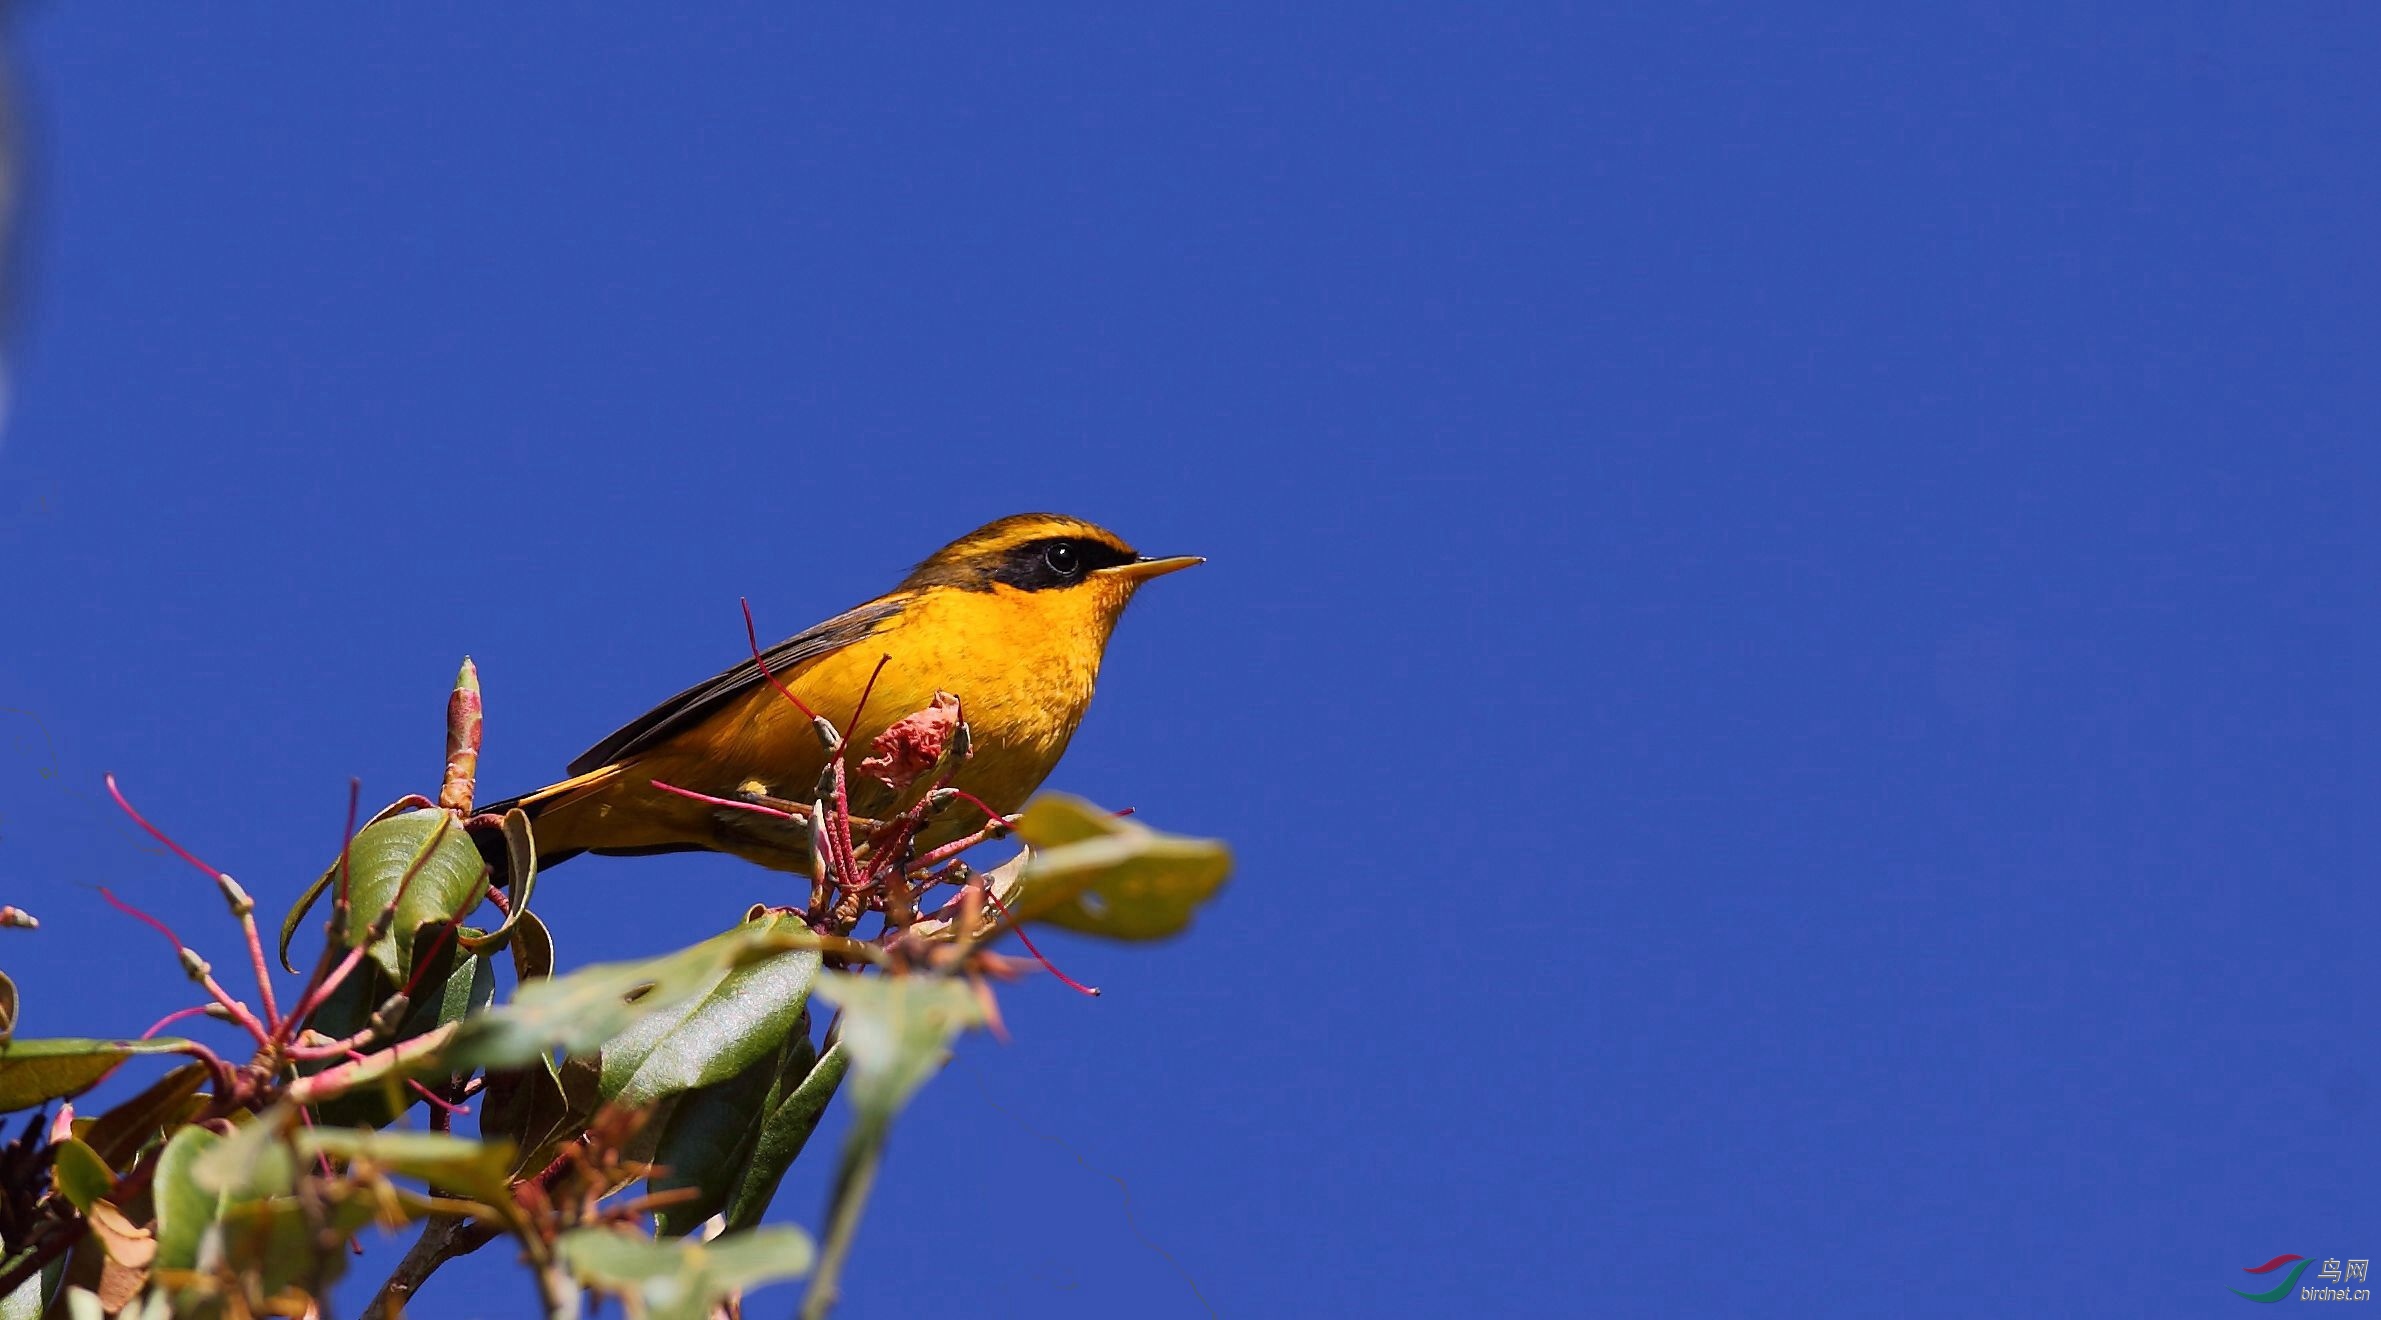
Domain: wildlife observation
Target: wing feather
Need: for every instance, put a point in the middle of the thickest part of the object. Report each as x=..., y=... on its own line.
x=688, y=708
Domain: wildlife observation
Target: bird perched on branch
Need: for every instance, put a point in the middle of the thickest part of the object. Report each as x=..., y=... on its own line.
x=1011, y=618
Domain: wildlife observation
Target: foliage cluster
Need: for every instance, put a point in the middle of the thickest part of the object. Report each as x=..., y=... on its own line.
x=623, y=1126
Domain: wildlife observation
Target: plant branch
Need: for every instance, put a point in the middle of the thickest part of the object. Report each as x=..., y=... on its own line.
x=444, y=1238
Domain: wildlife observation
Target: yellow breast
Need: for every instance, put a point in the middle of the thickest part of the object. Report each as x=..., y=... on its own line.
x=1023, y=665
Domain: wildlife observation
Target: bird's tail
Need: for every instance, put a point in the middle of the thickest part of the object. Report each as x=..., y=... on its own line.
x=554, y=824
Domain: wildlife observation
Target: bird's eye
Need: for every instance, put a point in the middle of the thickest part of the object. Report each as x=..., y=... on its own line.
x=1063, y=560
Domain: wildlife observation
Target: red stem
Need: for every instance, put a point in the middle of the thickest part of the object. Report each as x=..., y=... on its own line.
x=753, y=638
x=840, y=829
x=317, y=1087
x=240, y=1012
x=951, y=850
x=171, y=1018
x=264, y=976
x=435, y=1098
x=322, y=1159
x=227, y=1083
x=1027, y=941
x=997, y=818
x=725, y=802
x=853, y=728
x=256, y=946
x=136, y=914
x=156, y=833
x=425, y=1092
x=328, y=986
x=312, y=996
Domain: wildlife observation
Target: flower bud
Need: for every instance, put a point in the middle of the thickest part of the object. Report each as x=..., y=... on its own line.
x=241, y=904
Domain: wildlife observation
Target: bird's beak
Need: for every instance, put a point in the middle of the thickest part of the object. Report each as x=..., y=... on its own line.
x=1140, y=570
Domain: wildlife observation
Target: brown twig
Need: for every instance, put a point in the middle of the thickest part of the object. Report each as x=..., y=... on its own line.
x=443, y=1238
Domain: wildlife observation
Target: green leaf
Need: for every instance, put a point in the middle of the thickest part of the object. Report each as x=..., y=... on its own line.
x=898, y=1030
x=540, y=1105
x=1058, y=819
x=184, y=1209
x=237, y=1191
x=710, y=1135
x=791, y=1118
x=731, y=1021
x=1099, y=875
x=447, y=881
x=254, y=1162
x=34, y=1072
x=82, y=1176
x=520, y=849
x=532, y=947
x=682, y=1279
x=297, y=910
x=743, y=1261
x=282, y=1238
x=580, y=1012
x=124, y=1131
x=704, y=1142
x=477, y=1169
x=464, y=988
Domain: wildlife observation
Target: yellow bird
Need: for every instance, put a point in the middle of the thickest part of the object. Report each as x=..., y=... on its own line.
x=1011, y=618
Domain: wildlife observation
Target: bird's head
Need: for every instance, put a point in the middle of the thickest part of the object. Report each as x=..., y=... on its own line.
x=1086, y=564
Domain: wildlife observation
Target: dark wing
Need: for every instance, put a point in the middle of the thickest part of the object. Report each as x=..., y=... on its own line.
x=689, y=707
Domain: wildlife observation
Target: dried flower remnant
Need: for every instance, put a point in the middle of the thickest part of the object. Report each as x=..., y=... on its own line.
x=913, y=744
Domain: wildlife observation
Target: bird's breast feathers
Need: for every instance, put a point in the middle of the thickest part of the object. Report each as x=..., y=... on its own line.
x=1023, y=664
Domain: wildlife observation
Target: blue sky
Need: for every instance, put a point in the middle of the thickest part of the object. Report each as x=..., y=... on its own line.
x=1778, y=656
